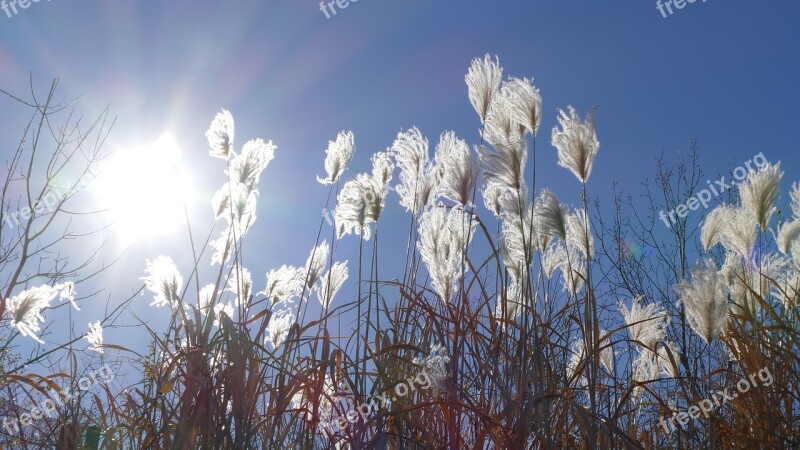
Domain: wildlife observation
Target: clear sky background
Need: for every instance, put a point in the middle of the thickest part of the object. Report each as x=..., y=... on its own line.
x=725, y=72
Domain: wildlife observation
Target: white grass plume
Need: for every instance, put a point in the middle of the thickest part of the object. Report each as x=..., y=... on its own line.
x=316, y=263
x=351, y=207
x=552, y=258
x=734, y=228
x=578, y=233
x=26, y=307
x=607, y=350
x=577, y=356
x=338, y=156
x=236, y=199
x=795, y=196
x=770, y=268
x=714, y=225
x=501, y=126
x=505, y=165
x=665, y=365
x=512, y=302
x=788, y=291
x=525, y=103
x=207, y=304
x=418, y=180
x=483, y=80
x=492, y=194
x=163, y=279
x=278, y=328
x=360, y=203
x=569, y=261
x=645, y=370
x=519, y=240
x=246, y=168
x=576, y=143
x=759, y=191
x=382, y=169
x=435, y=365
x=240, y=217
x=443, y=238
x=205, y=299
x=220, y=135
x=95, y=337
x=551, y=215
x=457, y=169
x=645, y=323
x=331, y=282
x=787, y=235
x=705, y=298
x=284, y=284
x=242, y=284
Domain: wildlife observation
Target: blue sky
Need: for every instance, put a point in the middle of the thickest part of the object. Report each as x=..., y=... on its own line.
x=724, y=72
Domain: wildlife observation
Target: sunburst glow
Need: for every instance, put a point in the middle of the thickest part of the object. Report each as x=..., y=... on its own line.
x=144, y=189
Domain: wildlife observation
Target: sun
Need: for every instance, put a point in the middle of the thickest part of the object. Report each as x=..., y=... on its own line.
x=144, y=190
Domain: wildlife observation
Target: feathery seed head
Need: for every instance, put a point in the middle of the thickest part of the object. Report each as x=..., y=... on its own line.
x=220, y=135
x=163, y=279
x=734, y=228
x=483, y=80
x=645, y=324
x=578, y=233
x=645, y=369
x=316, y=263
x=551, y=215
x=360, y=203
x=382, y=169
x=505, y=165
x=576, y=143
x=493, y=197
x=714, y=226
x=665, y=364
x=759, y=191
x=246, y=168
x=331, y=282
x=705, y=298
x=278, y=328
x=457, y=167
x=519, y=241
x=788, y=234
x=95, y=337
x=443, y=238
x=525, y=102
x=435, y=366
x=512, y=302
x=567, y=259
x=607, y=350
x=338, y=156
x=205, y=299
x=284, y=284
x=795, y=195
x=501, y=126
x=418, y=180
x=26, y=307
x=242, y=285
x=575, y=364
